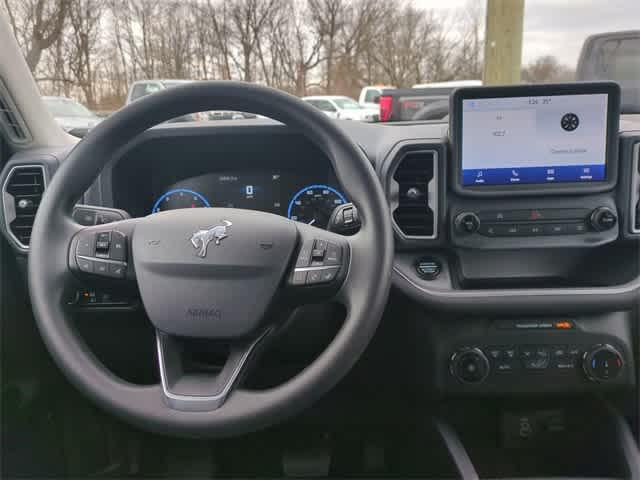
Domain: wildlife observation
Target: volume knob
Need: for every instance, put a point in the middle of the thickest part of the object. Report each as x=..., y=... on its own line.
x=467, y=223
x=603, y=218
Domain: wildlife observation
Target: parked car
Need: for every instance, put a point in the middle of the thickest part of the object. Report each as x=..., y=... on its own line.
x=143, y=88
x=406, y=104
x=370, y=94
x=614, y=56
x=343, y=108
x=71, y=115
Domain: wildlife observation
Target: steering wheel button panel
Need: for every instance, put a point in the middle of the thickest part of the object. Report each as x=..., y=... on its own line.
x=102, y=253
x=326, y=260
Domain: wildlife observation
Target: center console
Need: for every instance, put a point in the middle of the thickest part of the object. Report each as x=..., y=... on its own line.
x=534, y=163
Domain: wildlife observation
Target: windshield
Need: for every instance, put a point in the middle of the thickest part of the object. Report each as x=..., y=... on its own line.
x=402, y=58
x=64, y=107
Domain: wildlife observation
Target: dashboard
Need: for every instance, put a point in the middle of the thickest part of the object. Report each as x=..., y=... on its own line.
x=517, y=225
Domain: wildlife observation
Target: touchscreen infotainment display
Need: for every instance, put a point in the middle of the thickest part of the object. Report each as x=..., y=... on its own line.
x=534, y=140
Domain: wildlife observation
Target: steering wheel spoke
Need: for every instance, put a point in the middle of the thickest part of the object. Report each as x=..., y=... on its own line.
x=199, y=388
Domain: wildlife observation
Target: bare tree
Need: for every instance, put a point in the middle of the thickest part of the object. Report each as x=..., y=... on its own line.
x=327, y=20
x=37, y=24
x=546, y=69
x=297, y=49
x=82, y=45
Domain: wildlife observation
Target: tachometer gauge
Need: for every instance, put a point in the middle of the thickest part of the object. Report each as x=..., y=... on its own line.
x=314, y=205
x=179, y=198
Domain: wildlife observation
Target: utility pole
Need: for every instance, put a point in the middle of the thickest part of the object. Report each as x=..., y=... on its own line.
x=503, y=42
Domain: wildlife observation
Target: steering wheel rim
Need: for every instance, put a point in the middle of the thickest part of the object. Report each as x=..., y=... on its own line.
x=364, y=293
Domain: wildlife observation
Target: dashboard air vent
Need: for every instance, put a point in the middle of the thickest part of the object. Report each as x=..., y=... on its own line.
x=415, y=177
x=635, y=190
x=22, y=192
x=10, y=119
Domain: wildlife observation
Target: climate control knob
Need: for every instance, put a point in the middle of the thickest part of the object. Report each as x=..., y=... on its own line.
x=602, y=363
x=603, y=218
x=467, y=223
x=469, y=365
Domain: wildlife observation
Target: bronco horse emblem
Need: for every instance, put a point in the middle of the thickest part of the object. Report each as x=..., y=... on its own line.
x=202, y=238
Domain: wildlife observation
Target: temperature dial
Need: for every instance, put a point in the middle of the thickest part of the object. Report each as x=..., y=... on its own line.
x=469, y=365
x=602, y=363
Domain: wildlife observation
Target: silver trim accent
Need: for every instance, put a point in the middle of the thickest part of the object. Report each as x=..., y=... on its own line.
x=199, y=403
x=635, y=187
x=323, y=267
x=432, y=193
x=8, y=199
x=105, y=260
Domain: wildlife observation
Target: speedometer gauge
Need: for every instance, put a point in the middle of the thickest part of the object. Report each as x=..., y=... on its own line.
x=179, y=198
x=314, y=205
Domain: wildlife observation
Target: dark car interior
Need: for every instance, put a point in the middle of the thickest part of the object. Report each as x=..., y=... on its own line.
x=301, y=297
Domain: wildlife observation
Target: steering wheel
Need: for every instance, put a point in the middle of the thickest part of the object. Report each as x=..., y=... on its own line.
x=211, y=273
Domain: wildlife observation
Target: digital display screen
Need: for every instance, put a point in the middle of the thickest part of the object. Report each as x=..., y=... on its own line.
x=534, y=140
x=303, y=198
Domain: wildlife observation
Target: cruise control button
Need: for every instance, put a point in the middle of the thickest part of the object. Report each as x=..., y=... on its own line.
x=85, y=265
x=304, y=256
x=116, y=270
x=320, y=244
x=118, y=250
x=333, y=255
x=100, y=268
x=86, y=245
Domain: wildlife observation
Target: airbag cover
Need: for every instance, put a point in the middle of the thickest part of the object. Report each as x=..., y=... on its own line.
x=211, y=272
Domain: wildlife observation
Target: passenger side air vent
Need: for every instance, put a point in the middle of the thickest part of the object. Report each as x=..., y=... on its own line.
x=10, y=119
x=22, y=192
x=415, y=202
x=635, y=190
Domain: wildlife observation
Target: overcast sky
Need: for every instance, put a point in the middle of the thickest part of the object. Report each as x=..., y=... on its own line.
x=558, y=27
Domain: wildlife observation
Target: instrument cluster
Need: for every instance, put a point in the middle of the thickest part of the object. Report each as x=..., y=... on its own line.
x=283, y=193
